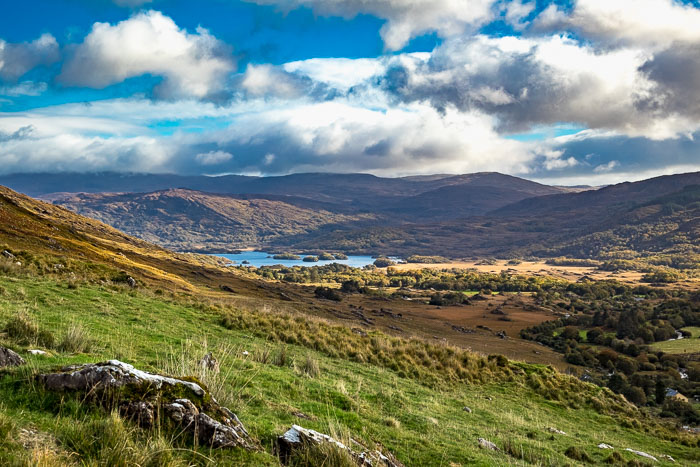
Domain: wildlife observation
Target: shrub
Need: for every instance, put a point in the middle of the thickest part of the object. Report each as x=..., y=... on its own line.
x=383, y=262
x=328, y=294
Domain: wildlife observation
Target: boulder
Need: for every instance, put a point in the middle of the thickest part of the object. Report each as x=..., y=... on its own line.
x=642, y=454
x=486, y=444
x=555, y=431
x=605, y=446
x=467, y=409
x=150, y=399
x=8, y=255
x=298, y=437
x=10, y=358
x=37, y=352
x=131, y=281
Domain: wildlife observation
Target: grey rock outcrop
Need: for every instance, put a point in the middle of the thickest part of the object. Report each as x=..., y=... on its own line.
x=150, y=399
x=298, y=437
x=10, y=358
x=486, y=444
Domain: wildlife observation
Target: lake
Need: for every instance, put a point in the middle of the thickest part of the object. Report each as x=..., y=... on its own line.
x=261, y=258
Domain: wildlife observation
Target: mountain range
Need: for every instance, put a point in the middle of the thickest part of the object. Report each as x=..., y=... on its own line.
x=456, y=216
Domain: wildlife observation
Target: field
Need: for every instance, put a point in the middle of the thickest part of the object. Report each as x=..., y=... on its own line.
x=422, y=423
x=688, y=345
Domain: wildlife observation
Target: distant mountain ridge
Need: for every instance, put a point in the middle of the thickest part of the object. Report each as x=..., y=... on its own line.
x=457, y=216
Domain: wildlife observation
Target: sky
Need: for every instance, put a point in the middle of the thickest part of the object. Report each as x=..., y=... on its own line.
x=566, y=92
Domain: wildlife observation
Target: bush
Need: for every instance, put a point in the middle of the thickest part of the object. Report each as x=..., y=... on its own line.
x=383, y=262
x=328, y=294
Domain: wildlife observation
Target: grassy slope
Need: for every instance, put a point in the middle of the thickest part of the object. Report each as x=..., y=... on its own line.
x=422, y=425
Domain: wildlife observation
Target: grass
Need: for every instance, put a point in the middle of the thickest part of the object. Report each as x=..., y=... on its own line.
x=679, y=346
x=272, y=371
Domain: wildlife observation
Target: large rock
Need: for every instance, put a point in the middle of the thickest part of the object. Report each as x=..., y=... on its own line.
x=298, y=437
x=149, y=399
x=10, y=358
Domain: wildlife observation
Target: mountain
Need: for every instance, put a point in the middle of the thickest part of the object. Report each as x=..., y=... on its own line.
x=182, y=219
x=658, y=216
x=231, y=212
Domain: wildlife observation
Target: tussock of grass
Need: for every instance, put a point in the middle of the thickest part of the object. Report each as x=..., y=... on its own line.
x=414, y=358
x=76, y=340
x=24, y=331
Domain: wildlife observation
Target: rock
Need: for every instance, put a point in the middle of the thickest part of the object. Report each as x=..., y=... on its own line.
x=467, y=409
x=8, y=255
x=18, y=263
x=209, y=362
x=152, y=400
x=605, y=446
x=226, y=288
x=37, y=352
x=642, y=454
x=297, y=437
x=486, y=444
x=131, y=281
x=10, y=358
x=667, y=457
x=554, y=430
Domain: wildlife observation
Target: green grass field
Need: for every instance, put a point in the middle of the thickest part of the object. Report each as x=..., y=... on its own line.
x=421, y=423
x=679, y=346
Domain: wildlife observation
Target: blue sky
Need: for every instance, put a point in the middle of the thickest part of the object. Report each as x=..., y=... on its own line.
x=586, y=91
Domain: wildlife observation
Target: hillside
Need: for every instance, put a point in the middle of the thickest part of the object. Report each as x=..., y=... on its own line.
x=416, y=397
x=233, y=212
x=186, y=220
x=653, y=217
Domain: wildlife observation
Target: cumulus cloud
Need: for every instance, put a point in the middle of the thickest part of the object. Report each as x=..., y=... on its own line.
x=534, y=81
x=406, y=19
x=627, y=22
x=192, y=65
x=18, y=59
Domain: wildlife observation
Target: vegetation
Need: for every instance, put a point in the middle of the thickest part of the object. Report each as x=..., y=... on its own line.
x=288, y=256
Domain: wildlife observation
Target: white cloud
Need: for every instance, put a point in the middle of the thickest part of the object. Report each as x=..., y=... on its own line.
x=549, y=80
x=651, y=23
x=192, y=65
x=406, y=19
x=213, y=157
x=261, y=80
x=18, y=59
x=25, y=88
x=603, y=168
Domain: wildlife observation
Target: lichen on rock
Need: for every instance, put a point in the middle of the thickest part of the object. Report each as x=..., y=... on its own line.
x=149, y=399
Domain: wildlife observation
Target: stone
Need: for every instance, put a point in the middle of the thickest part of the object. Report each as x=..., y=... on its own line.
x=131, y=281
x=486, y=444
x=209, y=362
x=37, y=352
x=667, y=457
x=8, y=255
x=148, y=399
x=642, y=454
x=555, y=431
x=10, y=358
x=605, y=446
x=297, y=437
x=467, y=409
